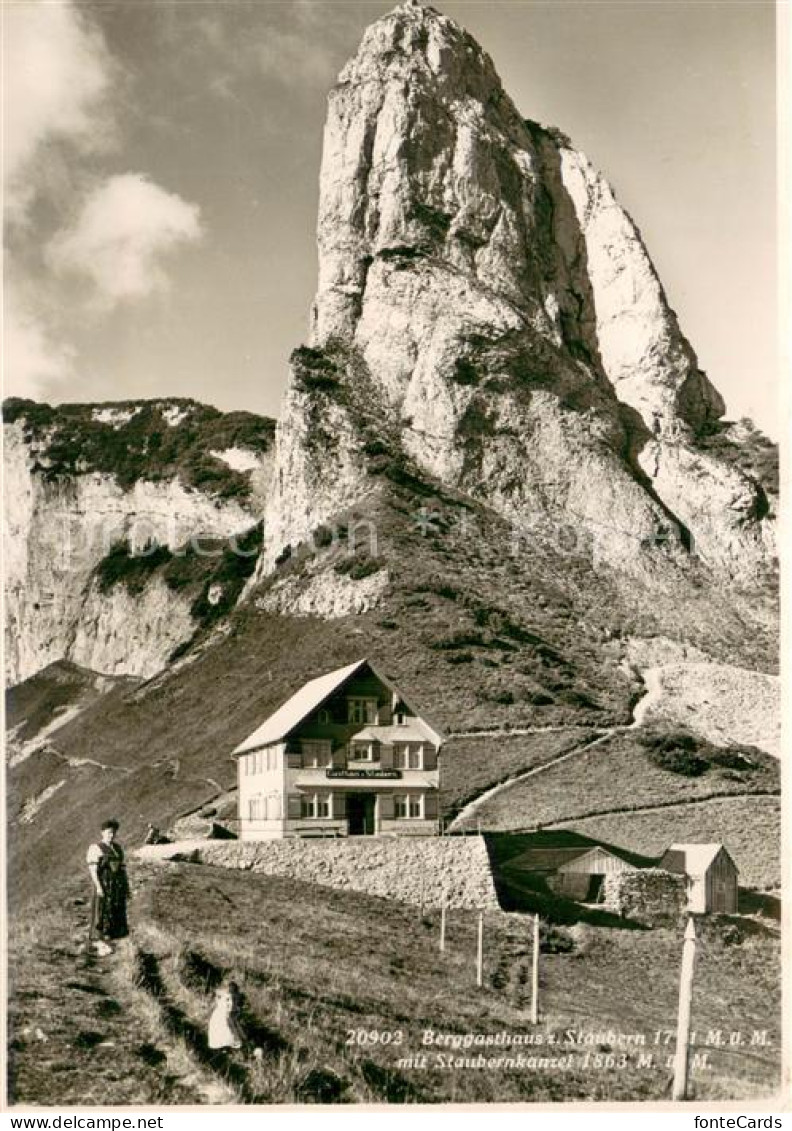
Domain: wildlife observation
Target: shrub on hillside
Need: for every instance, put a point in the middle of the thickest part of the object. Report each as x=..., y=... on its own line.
x=677, y=752
x=681, y=752
x=359, y=567
x=733, y=758
x=745, y=447
x=133, y=570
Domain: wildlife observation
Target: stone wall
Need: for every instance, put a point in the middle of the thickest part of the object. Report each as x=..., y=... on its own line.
x=649, y=896
x=456, y=869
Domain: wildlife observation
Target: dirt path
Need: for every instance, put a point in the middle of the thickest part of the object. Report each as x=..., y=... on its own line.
x=723, y=704
x=473, y=806
x=653, y=693
x=76, y=1036
x=517, y=731
x=627, y=811
x=179, y=1041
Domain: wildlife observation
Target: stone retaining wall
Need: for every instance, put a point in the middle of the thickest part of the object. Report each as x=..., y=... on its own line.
x=649, y=895
x=456, y=869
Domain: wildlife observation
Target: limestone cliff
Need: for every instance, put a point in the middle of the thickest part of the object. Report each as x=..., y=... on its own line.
x=83, y=483
x=486, y=304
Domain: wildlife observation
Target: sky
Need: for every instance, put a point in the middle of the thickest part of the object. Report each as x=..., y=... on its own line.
x=161, y=161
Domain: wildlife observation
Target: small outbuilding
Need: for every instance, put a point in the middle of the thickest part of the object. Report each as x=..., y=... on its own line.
x=574, y=871
x=583, y=877
x=712, y=876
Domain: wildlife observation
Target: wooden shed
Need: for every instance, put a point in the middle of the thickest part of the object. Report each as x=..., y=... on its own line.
x=711, y=873
x=583, y=876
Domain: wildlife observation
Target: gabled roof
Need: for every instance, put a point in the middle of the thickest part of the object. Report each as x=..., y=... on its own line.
x=697, y=857
x=597, y=850
x=545, y=860
x=308, y=699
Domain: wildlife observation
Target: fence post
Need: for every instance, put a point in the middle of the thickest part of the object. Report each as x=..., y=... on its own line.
x=535, y=973
x=480, y=954
x=443, y=927
x=682, y=1059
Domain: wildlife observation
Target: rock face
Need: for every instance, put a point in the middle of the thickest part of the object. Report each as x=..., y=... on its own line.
x=61, y=522
x=485, y=301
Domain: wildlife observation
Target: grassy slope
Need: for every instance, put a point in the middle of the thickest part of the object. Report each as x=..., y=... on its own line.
x=472, y=765
x=477, y=639
x=315, y=963
x=615, y=775
x=37, y=703
x=750, y=826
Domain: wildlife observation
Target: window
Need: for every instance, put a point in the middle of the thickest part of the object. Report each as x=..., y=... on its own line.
x=323, y=716
x=272, y=759
x=316, y=805
x=362, y=710
x=316, y=753
x=361, y=752
x=408, y=806
x=407, y=756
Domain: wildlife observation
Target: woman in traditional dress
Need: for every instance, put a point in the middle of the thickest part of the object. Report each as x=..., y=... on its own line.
x=105, y=859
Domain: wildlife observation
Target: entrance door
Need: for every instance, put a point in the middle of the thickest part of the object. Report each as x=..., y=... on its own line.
x=596, y=889
x=360, y=814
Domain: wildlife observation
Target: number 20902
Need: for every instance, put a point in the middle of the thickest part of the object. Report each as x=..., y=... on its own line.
x=374, y=1037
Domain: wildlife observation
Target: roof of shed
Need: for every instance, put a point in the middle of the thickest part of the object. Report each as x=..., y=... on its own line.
x=697, y=857
x=544, y=860
x=597, y=850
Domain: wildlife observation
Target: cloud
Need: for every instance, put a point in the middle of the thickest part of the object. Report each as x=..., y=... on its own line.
x=289, y=57
x=58, y=76
x=32, y=361
x=126, y=226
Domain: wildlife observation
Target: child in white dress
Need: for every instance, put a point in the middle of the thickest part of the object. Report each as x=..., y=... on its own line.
x=225, y=1031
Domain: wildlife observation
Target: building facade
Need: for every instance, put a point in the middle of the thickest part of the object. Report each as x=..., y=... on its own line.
x=345, y=756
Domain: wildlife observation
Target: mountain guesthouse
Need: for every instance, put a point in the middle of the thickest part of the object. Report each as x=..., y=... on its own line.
x=345, y=756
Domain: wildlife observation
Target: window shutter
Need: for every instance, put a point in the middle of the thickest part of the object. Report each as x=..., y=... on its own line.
x=386, y=806
x=339, y=804
x=430, y=806
x=430, y=756
x=294, y=807
x=386, y=756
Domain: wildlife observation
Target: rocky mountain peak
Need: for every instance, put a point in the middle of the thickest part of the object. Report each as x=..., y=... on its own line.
x=426, y=157
x=483, y=292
